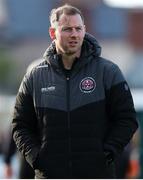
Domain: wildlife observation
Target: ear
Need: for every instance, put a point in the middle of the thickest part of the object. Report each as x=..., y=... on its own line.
x=52, y=33
x=84, y=28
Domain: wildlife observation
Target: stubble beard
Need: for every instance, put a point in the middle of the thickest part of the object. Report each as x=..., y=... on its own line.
x=71, y=52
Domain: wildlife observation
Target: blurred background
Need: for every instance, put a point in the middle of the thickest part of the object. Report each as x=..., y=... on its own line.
x=117, y=25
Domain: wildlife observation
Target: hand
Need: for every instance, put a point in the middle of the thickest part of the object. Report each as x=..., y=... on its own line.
x=8, y=172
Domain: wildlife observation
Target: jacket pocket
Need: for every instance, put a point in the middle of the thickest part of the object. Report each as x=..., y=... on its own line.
x=41, y=160
x=110, y=166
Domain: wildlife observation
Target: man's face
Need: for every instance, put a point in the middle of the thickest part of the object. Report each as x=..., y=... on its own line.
x=69, y=34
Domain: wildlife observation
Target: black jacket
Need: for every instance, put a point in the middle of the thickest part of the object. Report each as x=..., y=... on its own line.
x=63, y=125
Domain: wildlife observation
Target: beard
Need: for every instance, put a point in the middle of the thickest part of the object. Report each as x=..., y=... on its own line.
x=69, y=49
x=72, y=50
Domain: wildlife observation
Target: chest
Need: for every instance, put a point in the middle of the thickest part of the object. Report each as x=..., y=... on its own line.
x=54, y=90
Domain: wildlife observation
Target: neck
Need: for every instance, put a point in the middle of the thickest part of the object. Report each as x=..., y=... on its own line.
x=67, y=58
x=68, y=61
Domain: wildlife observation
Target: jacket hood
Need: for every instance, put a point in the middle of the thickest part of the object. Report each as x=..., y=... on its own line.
x=91, y=45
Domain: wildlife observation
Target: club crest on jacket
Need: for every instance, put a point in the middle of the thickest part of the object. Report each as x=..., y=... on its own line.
x=87, y=85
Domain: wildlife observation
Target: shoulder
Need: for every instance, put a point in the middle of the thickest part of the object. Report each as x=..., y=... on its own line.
x=109, y=67
x=32, y=73
x=36, y=64
x=34, y=69
x=108, y=64
x=112, y=73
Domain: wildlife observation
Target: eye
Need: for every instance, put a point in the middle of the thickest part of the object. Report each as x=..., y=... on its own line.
x=78, y=28
x=67, y=29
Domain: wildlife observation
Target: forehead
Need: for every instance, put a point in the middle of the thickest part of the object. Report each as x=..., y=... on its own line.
x=70, y=20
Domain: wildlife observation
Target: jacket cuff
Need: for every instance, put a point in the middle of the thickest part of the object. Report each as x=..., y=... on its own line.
x=111, y=149
x=31, y=156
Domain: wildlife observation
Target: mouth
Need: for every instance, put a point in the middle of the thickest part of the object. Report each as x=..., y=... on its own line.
x=73, y=43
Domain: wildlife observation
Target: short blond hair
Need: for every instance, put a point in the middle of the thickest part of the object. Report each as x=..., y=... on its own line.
x=65, y=9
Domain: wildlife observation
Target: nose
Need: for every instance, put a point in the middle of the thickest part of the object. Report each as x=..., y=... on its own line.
x=74, y=33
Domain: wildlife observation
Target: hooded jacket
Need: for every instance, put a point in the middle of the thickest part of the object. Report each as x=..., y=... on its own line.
x=63, y=124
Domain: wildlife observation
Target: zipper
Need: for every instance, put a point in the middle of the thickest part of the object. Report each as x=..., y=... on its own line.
x=68, y=126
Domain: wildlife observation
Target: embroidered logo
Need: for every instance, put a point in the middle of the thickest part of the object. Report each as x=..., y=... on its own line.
x=87, y=85
x=48, y=89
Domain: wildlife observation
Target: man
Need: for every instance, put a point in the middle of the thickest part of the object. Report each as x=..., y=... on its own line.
x=74, y=112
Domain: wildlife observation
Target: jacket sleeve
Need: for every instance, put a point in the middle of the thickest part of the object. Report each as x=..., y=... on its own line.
x=10, y=151
x=120, y=110
x=24, y=123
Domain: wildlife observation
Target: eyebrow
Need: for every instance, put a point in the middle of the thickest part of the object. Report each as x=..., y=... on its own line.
x=72, y=26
